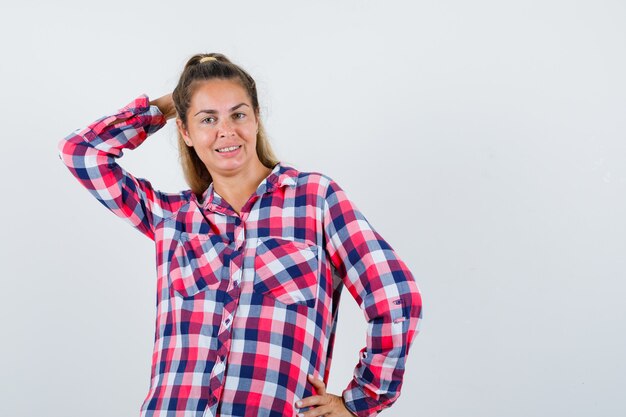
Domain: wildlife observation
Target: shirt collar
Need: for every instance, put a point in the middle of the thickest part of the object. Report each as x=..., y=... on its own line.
x=280, y=176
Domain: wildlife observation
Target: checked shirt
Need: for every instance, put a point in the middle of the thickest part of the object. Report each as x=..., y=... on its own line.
x=247, y=303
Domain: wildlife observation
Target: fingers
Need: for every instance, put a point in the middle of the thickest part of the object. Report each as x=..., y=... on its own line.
x=319, y=385
x=331, y=406
x=323, y=404
x=314, y=401
x=324, y=411
x=317, y=401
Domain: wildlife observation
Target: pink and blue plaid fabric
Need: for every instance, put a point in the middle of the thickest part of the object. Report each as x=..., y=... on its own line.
x=247, y=303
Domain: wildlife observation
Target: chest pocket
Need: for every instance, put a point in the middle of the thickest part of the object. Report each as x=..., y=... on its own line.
x=199, y=263
x=286, y=271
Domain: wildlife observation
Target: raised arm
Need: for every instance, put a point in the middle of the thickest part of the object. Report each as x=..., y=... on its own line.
x=91, y=156
x=387, y=293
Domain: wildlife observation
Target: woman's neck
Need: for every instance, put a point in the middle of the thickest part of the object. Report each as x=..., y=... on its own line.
x=237, y=189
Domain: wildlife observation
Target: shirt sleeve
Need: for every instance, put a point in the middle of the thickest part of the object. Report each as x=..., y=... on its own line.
x=91, y=156
x=387, y=293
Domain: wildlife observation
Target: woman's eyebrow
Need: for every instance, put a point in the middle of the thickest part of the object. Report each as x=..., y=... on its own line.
x=237, y=106
x=210, y=111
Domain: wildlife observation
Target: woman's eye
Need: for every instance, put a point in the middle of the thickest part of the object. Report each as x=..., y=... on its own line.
x=209, y=120
x=239, y=115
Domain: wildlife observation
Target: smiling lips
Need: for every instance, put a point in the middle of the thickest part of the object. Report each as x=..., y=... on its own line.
x=228, y=149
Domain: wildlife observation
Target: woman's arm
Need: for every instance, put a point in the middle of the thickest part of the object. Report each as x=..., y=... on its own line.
x=387, y=293
x=165, y=105
x=91, y=153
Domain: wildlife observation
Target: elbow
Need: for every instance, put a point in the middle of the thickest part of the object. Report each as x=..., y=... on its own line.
x=411, y=297
x=60, y=147
x=63, y=150
x=72, y=149
x=415, y=301
x=414, y=311
x=66, y=147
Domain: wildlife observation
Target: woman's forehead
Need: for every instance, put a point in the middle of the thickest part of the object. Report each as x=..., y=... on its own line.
x=218, y=94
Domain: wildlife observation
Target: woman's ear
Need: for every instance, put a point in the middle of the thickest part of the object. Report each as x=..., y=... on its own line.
x=183, y=132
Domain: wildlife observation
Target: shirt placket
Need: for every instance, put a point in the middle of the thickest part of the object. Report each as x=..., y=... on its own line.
x=230, y=304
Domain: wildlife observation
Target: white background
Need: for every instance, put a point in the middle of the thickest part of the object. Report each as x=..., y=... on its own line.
x=484, y=140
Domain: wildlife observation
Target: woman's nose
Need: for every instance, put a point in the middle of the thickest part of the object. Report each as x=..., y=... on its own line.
x=225, y=128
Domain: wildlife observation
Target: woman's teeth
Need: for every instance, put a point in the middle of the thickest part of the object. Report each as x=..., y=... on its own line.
x=232, y=148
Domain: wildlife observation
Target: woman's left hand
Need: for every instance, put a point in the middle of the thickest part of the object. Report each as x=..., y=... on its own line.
x=324, y=404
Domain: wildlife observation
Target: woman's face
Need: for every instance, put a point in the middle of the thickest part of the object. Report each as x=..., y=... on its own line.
x=222, y=127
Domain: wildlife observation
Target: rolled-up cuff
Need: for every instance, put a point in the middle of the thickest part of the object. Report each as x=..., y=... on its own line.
x=358, y=402
x=138, y=117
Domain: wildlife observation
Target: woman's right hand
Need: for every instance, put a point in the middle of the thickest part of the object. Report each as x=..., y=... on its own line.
x=166, y=105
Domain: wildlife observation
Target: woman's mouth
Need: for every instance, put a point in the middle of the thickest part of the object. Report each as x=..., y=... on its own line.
x=228, y=149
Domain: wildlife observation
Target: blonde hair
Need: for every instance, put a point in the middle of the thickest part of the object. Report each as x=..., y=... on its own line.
x=202, y=67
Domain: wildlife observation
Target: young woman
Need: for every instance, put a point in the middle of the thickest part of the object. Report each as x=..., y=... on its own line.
x=251, y=260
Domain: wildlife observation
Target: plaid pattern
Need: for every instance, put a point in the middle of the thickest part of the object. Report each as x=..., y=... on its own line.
x=247, y=304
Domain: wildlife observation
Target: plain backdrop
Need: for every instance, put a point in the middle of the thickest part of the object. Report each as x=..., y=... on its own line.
x=484, y=140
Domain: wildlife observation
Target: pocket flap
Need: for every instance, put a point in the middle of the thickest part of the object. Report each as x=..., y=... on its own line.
x=286, y=271
x=198, y=263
